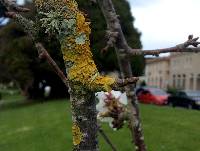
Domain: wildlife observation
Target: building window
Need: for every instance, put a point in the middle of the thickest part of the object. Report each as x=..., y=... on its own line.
x=198, y=82
x=179, y=82
x=183, y=81
x=191, y=82
x=161, y=82
x=174, y=81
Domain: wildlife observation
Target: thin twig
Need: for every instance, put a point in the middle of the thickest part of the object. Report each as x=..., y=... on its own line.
x=45, y=55
x=112, y=38
x=103, y=134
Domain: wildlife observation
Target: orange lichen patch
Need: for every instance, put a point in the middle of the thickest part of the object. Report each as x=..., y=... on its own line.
x=82, y=25
x=72, y=4
x=83, y=49
x=104, y=82
x=77, y=134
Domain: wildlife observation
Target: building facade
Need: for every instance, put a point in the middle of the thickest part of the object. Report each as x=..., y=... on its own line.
x=157, y=72
x=185, y=71
x=180, y=70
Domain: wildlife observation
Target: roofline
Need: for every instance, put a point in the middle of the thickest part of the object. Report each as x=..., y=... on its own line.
x=154, y=60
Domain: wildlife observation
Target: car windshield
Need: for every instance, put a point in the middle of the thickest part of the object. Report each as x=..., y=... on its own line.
x=193, y=93
x=157, y=91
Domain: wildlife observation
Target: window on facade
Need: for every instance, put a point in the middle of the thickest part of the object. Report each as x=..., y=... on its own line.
x=174, y=81
x=179, y=82
x=161, y=82
x=183, y=81
x=198, y=82
x=191, y=82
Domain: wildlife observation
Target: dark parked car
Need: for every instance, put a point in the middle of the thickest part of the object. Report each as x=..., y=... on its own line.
x=152, y=95
x=188, y=99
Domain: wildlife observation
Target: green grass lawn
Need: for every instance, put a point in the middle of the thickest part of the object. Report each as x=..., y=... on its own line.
x=47, y=127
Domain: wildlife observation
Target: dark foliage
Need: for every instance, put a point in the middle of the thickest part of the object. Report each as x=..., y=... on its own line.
x=19, y=60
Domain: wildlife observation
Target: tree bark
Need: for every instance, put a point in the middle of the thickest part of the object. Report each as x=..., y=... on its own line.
x=84, y=120
x=121, y=48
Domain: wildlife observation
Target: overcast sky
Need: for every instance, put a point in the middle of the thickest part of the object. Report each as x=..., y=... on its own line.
x=165, y=23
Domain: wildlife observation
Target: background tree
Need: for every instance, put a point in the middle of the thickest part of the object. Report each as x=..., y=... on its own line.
x=32, y=71
x=108, y=61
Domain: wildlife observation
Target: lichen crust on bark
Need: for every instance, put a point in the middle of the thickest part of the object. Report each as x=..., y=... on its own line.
x=71, y=28
x=77, y=134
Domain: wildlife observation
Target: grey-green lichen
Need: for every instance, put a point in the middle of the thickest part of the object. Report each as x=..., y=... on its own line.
x=54, y=22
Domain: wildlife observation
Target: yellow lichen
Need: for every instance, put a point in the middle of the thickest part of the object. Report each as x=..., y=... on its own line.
x=39, y=3
x=77, y=134
x=83, y=70
x=82, y=25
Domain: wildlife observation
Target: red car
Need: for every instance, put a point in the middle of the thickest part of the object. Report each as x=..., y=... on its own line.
x=152, y=96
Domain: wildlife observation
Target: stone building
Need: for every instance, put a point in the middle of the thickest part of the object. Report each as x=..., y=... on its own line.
x=179, y=70
x=185, y=71
x=157, y=72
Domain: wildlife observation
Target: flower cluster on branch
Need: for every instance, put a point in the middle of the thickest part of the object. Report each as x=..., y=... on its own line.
x=112, y=108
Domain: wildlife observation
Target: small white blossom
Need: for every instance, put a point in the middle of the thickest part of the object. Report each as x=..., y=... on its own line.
x=109, y=103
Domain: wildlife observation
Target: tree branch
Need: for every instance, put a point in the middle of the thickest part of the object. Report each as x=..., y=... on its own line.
x=183, y=47
x=11, y=6
x=45, y=55
x=122, y=49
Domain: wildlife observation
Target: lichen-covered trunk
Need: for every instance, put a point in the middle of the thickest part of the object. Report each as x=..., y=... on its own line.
x=63, y=19
x=83, y=105
x=84, y=120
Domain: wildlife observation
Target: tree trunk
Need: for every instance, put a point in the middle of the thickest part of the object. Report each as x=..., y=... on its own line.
x=84, y=120
x=83, y=105
x=64, y=20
